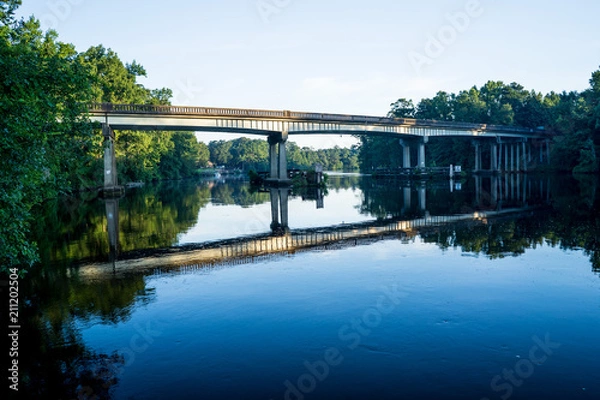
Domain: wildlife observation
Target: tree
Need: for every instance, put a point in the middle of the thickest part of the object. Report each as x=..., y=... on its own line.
x=440, y=108
x=402, y=108
x=43, y=91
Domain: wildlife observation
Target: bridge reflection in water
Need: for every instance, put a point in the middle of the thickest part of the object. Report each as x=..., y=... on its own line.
x=496, y=197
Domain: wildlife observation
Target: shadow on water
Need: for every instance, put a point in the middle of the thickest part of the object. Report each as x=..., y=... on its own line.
x=563, y=212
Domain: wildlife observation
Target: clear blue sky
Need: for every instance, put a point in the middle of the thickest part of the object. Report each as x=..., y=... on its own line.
x=332, y=55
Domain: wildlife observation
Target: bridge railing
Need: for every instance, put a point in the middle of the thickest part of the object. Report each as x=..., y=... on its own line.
x=293, y=115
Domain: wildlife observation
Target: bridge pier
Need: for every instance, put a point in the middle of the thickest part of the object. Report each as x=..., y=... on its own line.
x=422, y=162
x=111, y=179
x=512, y=157
x=278, y=159
x=500, y=156
x=477, y=146
x=406, y=163
x=494, y=158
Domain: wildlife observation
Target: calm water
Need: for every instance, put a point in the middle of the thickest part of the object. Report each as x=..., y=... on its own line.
x=492, y=292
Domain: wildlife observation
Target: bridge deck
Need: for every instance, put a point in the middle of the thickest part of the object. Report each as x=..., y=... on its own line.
x=133, y=113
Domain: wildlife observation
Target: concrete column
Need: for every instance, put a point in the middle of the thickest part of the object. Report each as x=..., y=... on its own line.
x=273, y=158
x=422, y=163
x=512, y=158
x=548, y=152
x=406, y=163
x=518, y=160
x=500, y=166
x=477, y=156
x=541, y=154
x=278, y=158
x=494, y=158
x=506, y=165
x=283, y=175
x=111, y=180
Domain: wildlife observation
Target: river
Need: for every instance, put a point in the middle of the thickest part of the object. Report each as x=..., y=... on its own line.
x=481, y=288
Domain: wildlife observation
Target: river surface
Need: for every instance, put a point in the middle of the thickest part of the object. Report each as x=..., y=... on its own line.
x=485, y=288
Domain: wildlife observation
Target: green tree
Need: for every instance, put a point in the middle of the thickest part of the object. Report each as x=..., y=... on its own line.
x=43, y=91
x=402, y=108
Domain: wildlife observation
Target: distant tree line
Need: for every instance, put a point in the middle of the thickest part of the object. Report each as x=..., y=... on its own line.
x=570, y=119
x=253, y=154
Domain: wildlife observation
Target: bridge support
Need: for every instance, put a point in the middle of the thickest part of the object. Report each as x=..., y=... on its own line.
x=512, y=158
x=406, y=163
x=111, y=180
x=278, y=159
x=422, y=163
x=494, y=158
x=477, y=156
x=500, y=156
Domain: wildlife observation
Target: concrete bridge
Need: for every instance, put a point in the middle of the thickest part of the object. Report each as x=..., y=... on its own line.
x=496, y=197
x=510, y=148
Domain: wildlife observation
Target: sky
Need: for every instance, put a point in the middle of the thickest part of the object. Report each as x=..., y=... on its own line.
x=351, y=57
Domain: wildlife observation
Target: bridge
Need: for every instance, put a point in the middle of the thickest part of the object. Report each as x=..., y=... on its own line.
x=510, y=148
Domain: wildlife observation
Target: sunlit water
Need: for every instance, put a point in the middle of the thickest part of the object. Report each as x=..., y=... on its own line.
x=498, y=309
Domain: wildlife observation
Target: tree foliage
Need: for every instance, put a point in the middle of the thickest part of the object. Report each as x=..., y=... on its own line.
x=48, y=145
x=253, y=154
